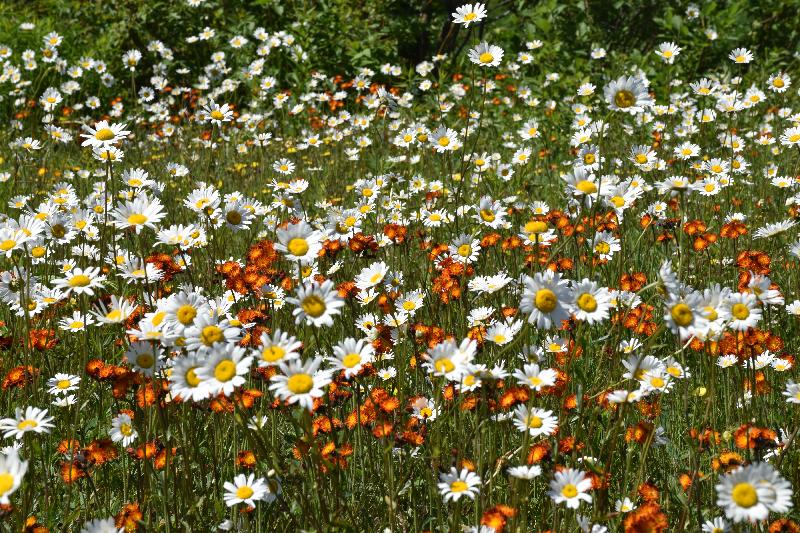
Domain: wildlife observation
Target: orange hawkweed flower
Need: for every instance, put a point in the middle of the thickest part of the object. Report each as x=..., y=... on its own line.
x=648, y=518
x=19, y=376
x=129, y=517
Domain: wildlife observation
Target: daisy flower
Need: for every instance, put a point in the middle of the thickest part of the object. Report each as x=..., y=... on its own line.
x=750, y=493
x=535, y=421
x=12, y=470
x=449, y=359
x=316, y=304
x=31, y=420
x=741, y=56
x=300, y=382
x=277, y=347
x=469, y=13
x=590, y=303
x=570, y=486
x=535, y=378
x=216, y=114
x=225, y=369
x=103, y=134
x=351, y=355
x=102, y=525
x=544, y=299
x=63, y=383
x=184, y=381
x=246, y=489
x=454, y=485
x=80, y=281
x=486, y=55
x=142, y=212
x=299, y=242
x=122, y=430
x=628, y=94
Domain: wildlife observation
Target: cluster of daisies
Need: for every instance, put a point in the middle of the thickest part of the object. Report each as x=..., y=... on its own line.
x=445, y=245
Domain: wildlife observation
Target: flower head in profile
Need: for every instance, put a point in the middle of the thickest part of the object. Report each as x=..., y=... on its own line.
x=741, y=56
x=469, y=13
x=103, y=134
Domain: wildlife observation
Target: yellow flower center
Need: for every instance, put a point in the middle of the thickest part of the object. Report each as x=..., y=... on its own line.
x=145, y=360
x=225, y=370
x=586, y=302
x=115, y=315
x=458, y=486
x=126, y=429
x=272, y=354
x=470, y=16
x=76, y=324
x=137, y=219
x=602, y=247
x=586, y=187
x=535, y=422
x=6, y=483
x=104, y=134
x=80, y=280
x=569, y=491
x=444, y=141
x=158, y=318
x=641, y=159
x=711, y=313
x=7, y=244
x=624, y=98
x=487, y=215
x=778, y=82
x=217, y=114
x=465, y=250
x=27, y=424
x=63, y=384
x=545, y=300
x=657, y=382
x=486, y=57
x=186, y=314
x=313, y=306
x=744, y=495
x=300, y=383
x=444, y=365
x=234, y=218
x=244, y=493
x=682, y=315
x=191, y=377
x=589, y=159
x=350, y=360
x=740, y=311
x=408, y=305
x=211, y=334
x=298, y=246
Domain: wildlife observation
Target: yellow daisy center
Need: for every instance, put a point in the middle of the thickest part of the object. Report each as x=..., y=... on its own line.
x=744, y=495
x=545, y=300
x=300, y=383
x=104, y=134
x=682, y=315
x=298, y=246
x=313, y=306
x=211, y=334
x=225, y=370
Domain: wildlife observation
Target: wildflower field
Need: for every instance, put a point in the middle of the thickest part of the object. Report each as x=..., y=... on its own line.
x=337, y=266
